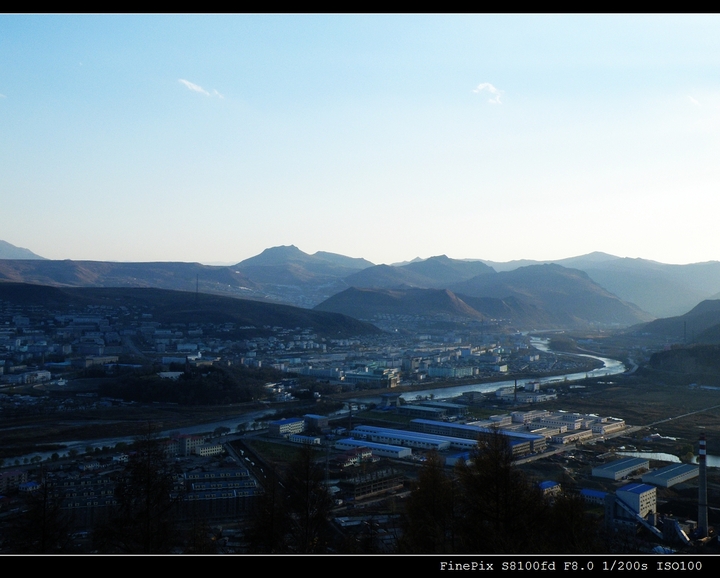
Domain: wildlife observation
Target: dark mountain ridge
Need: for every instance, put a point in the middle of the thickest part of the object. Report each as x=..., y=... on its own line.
x=187, y=307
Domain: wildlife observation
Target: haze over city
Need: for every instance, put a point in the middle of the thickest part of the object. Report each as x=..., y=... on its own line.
x=211, y=138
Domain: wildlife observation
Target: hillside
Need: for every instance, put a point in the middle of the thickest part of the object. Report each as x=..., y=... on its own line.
x=568, y=295
x=433, y=273
x=366, y=303
x=696, y=363
x=164, y=275
x=187, y=307
x=699, y=324
x=9, y=251
x=661, y=289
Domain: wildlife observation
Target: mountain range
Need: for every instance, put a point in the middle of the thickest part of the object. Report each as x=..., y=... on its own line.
x=597, y=288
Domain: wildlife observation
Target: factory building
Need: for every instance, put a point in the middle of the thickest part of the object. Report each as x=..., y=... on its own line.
x=422, y=411
x=619, y=469
x=520, y=442
x=455, y=409
x=641, y=498
x=570, y=437
x=608, y=426
x=596, y=497
x=400, y=438
x=316, y=422
x=671, y=475
x=384, y=450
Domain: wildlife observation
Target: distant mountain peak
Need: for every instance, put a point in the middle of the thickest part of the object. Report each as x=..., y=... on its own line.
x=290, y=255
x=277, y=256
x=283, y=250
x=9, y=251
x=599, y=256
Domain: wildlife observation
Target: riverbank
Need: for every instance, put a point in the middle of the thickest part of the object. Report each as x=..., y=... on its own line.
x=588, y=364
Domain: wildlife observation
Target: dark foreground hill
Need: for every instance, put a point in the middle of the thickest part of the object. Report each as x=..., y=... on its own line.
x=187, y=307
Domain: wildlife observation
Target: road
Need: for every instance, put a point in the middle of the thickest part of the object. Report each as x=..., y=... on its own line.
x=681, y=416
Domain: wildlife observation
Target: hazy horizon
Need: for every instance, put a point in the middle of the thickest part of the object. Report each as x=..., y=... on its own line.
x=497, y=137
x=402, y=262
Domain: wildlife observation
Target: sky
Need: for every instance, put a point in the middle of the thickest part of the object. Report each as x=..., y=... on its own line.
x=499, y=137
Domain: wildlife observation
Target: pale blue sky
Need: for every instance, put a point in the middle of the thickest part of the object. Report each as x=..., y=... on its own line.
x=210, y=138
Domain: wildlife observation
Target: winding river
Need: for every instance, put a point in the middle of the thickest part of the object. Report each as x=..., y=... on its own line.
x=610, y=367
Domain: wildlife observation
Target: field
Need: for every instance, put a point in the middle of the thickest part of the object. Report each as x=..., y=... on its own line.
x=671, y=410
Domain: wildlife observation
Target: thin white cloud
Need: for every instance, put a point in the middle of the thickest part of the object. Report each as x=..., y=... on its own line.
x=492, y=90
x=197, y=88
x=193, y=86
x=694, y=101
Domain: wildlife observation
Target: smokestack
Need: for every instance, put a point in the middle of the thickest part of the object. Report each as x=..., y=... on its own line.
x=702, y=490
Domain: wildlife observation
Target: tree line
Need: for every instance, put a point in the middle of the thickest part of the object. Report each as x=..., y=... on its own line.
x=487, y=505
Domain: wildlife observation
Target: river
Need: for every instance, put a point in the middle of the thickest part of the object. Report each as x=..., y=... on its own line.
x=610, y=367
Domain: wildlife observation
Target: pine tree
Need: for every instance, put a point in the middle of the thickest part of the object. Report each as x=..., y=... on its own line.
x=502, y=511
x=429, y=522
x=309, y=504
x=144, y=520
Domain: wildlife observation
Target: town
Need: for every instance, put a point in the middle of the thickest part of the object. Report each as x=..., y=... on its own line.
x=351, y=399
